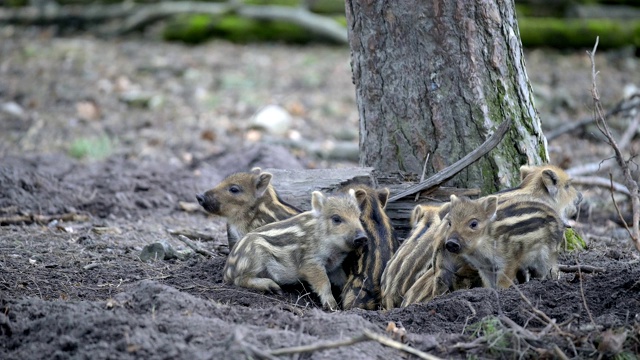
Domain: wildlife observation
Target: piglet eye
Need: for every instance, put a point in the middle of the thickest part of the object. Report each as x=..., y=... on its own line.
x=337, y=220
x=473, y=224
x=234, y=189
x=449, y=223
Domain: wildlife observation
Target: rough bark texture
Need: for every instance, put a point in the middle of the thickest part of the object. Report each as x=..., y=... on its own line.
x=436, y=77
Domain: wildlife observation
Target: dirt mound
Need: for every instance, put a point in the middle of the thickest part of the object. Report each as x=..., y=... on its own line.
x=71, y=292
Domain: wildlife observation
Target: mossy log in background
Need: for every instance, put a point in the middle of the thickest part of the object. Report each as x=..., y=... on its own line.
x=534, y=32
x=578, y=33
x=565, y=24
x=193, y=29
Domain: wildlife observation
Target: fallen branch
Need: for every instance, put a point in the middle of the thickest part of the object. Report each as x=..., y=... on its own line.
x=195, y=247
x=367, y=335
x=629, y=182
x=459, y=165
x=192, y=234
x=41, y=219
x=601, y=182
x=582, y=268
x=138, y=16
x=519, y=330
x=623, y=106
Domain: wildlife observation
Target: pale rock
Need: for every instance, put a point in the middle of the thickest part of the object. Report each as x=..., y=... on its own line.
x=272, y=118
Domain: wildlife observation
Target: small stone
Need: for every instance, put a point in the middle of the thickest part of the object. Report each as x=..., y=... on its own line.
x=13, y=109
x=272, y=118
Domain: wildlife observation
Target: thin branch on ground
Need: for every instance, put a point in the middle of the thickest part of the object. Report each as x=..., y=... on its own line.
x=367, y=335
x=541, y=313
x=559, y=353
x=195, y=247
x=42, y=219
x=192, y=234
x=582, y=268
x=615, y=204
x=584, y=298
x=629, y=182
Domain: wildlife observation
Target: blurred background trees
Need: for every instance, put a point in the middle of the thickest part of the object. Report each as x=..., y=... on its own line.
x=542, y=23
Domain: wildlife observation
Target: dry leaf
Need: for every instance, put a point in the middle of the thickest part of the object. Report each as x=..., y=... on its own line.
x=397, y=332
x=87, y=110
x=612, y=343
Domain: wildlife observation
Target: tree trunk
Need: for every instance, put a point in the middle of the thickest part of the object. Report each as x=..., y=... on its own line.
x=437, y=77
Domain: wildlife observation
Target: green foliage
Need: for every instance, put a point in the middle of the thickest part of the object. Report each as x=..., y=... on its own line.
x=625, y=355
x=491, y=328
x=16, y=3
x=273, y=2
x=574, y=241
x=578, y=33
x=91, y=148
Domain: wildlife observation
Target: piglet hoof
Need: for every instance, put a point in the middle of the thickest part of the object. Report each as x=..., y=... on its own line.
x=276, y=290
x=331, y=305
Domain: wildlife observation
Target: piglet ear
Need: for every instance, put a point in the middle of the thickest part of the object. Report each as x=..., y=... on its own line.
x=444, y=210
x=453, y=199
x=317, y=202
x=550, y=181
x=416, y=215
x=256, y=171
x=383, y=196
x=360, y=196
x=261, y=182
x=491, y=206
x=525, y=170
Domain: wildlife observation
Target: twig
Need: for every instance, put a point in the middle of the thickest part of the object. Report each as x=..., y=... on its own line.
x=367, y=335
x=398, y=345
x=195, y=247
x=459, y=165
x=628, y=135
x=615, y=203
x=191, y=234
x=559, y=353
x=583, y=268
x=601, y=182
x=584, y=298
x=41, y=219
x=629, y=182
x=622, y=106
x=540, y=313
x=519, y=330
x=319, y=347
x=424, y=172
x=473, y=314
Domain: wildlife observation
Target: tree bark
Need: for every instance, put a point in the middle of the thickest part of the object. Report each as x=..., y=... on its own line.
x=436, y=77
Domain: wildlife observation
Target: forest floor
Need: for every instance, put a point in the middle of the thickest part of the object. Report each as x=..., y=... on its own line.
x=116, y=134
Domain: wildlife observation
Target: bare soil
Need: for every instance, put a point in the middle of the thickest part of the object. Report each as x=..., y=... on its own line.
x=78, y=289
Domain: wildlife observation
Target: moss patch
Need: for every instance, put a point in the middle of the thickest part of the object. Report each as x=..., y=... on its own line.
x=578, y=33
x=194, y=29
x=573, y=241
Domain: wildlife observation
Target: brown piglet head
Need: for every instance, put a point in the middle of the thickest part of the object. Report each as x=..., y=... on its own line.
x=468, y=222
